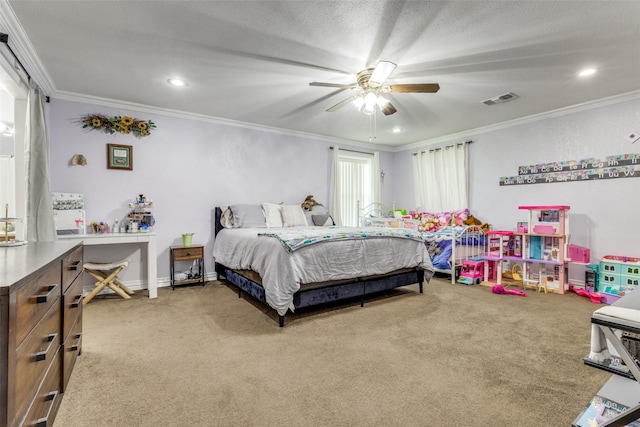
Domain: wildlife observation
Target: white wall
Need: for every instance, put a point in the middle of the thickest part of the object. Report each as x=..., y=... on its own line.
x=602, y=211
x=187, y=167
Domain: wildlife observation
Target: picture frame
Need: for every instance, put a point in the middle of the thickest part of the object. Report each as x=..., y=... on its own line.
x=119, y=156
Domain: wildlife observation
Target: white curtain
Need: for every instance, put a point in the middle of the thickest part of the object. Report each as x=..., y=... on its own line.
x=440, y=178
x=376, y=177
x=334, y=192
x=40, y=224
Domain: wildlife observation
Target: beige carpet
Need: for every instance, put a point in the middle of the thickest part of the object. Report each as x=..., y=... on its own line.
x=454, y=356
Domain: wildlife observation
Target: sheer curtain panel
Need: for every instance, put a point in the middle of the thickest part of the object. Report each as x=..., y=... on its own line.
x=440, y=178
x=334, y=191
x=40, y=223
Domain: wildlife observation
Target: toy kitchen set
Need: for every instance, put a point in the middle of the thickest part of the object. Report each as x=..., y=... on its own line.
x=70, y=217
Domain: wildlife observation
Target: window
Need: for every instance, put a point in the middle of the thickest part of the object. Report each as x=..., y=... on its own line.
x=355, y=185
x=13, y=94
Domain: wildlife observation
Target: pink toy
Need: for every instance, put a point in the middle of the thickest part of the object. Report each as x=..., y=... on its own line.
x=472, y=272
x=544, y=229
x=499, y=289
x=594, y=296
x=578, y=254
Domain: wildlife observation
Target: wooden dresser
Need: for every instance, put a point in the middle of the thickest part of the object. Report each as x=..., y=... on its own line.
x=40, y=328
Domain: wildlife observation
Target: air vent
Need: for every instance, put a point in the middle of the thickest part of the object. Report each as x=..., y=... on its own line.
x=500, y=99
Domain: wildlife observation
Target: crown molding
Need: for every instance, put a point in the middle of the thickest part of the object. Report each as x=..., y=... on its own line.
x=113, y=103
x=24, y=50
x=469, y=134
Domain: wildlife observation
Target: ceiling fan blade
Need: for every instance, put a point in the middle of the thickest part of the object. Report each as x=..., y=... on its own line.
x=415, y=88
x=341, y=104
x=389, y=109
x=342, y=86
x=381, y=72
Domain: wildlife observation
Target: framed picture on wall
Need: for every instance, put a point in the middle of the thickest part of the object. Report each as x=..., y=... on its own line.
x=119, y=156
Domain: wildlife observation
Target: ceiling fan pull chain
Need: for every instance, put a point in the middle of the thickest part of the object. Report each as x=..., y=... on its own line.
x=372, y=126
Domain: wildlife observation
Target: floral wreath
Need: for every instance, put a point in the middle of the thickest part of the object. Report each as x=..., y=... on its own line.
x=120, y=124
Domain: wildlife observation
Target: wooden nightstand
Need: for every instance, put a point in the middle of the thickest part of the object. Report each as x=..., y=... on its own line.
x=191, y=253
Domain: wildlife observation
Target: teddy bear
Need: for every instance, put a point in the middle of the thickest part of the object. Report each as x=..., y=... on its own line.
x=471, y=220
x=309, y=203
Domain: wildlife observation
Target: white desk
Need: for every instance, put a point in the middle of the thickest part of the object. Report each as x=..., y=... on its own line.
x=121, y=238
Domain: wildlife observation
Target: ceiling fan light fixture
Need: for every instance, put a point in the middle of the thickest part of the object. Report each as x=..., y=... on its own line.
x=358, y=102
x=381, y=72
x=382, y=101
x=370, y=101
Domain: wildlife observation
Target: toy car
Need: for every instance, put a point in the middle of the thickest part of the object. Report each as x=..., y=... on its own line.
x=472, y=272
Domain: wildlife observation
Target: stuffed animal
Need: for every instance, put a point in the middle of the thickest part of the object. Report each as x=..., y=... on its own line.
x=472, y=220
x=309, y=203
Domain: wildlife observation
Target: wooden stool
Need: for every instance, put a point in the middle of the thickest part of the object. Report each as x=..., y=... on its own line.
x=106, y=274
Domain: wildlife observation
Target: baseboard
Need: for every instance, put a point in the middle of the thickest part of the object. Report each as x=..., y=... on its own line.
x=141, y=285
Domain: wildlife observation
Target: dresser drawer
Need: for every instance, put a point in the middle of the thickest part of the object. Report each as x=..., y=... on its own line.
x=47, y=399
x=71, y=267
x=183, y=254
x=71, y=306
x=71, y=349
x=33, y=300
x=34, y=356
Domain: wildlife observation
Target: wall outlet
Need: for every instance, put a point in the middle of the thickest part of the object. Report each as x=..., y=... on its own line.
x=632, y=137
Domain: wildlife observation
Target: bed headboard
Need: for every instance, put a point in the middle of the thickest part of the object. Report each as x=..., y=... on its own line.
x=217, y=226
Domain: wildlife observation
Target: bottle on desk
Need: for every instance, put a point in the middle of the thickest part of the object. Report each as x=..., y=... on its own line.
x=115, y=228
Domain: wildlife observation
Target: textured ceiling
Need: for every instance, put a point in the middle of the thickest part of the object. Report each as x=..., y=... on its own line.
x=252, y=61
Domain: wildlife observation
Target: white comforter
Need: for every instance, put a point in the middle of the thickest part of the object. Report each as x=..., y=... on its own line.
x=283, y=272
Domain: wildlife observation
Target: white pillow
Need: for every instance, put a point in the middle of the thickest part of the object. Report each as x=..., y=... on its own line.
x=273, y=215
x=293, y=216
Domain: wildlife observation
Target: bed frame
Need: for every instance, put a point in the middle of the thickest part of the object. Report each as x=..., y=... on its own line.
x=462, y=252
x=376, y=215
x=313, y=294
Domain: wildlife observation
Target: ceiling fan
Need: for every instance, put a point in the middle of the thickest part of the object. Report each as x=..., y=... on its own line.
x=370, y=89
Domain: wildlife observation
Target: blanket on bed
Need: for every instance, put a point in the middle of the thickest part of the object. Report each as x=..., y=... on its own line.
x=297, y=238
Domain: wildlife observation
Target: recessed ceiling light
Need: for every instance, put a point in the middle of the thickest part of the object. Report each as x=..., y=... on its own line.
x=174, y=81
x=587, y=72
x=396, y=130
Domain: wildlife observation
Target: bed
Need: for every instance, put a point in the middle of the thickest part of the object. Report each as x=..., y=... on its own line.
x=257, y=261
x=449, y=240
x=450, y=246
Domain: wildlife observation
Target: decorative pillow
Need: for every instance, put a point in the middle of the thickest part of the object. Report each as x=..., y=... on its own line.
x=248, y=216
x=293, y=216
x=273, y=214
x=323, y=220
x=317, y=210
x=434, y=221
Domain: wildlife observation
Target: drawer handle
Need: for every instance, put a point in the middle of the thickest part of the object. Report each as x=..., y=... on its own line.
x=75, y=265
x=43, y=354
x=43, y=422
x=76, y=302
x=40, y=299
x=75, y=346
